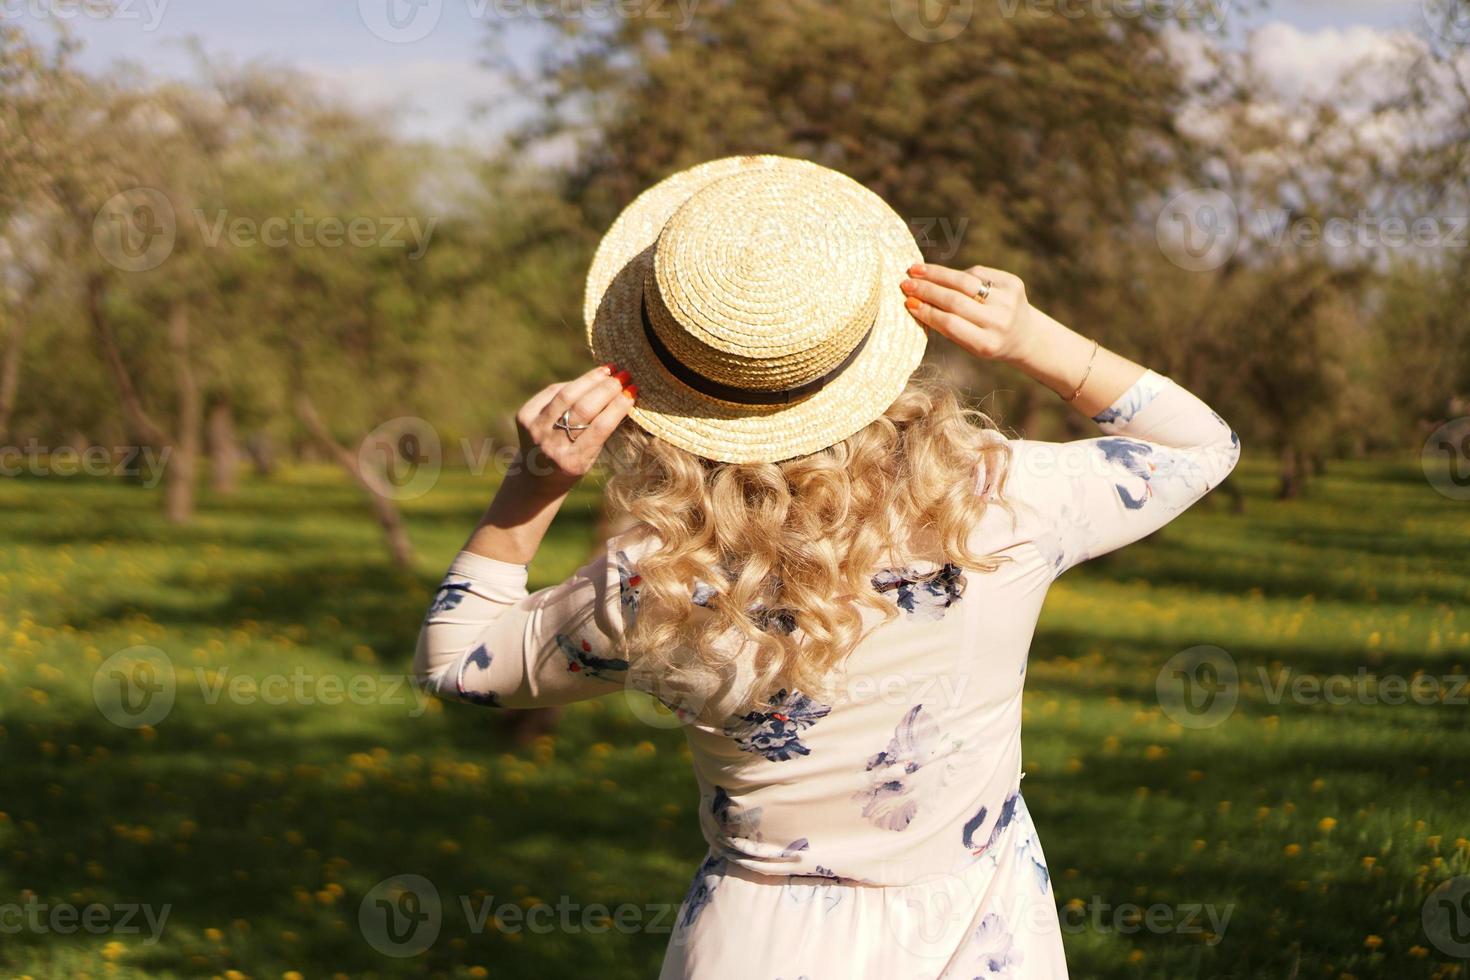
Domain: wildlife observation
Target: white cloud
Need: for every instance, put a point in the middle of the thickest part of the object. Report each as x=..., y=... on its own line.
x=427, y=99
x=1332, y=61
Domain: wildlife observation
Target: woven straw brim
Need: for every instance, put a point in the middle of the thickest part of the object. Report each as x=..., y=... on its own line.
x=724, y=431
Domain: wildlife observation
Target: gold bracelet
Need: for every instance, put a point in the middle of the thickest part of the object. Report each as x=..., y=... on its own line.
x=1085, y=374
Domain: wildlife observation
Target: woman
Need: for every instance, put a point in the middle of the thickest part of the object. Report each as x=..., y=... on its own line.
x=830, y=570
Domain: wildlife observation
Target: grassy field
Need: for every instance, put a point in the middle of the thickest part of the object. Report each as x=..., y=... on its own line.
x=261, y=814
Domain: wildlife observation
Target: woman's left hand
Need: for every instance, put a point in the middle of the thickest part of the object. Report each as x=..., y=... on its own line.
x=997, y=327
x=556, y=459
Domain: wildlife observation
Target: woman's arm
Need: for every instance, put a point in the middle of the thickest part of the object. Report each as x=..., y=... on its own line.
x=1006, y=327
x=550, y=463
x=486, y=640
x=1165, y=449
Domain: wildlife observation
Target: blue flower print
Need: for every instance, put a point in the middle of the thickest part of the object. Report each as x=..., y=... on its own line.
x=703, y=593
x=479, y=658
x=903, y=773
x=1028, y=848
x=1027, y=845
x=701, y=889
x=581, y=660
x=823, y=888
x=1132, y=456
x=781, y=619
x=1156, y=473
x=628, y=582
x=973, y=825
x=776, y=732
x=739, y=829
x=923, y=595
x=450, y=595
x=1131, y=402
x=989, y=953
x=734, y=821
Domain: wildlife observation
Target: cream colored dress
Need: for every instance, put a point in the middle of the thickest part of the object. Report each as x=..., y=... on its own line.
x=882, y=833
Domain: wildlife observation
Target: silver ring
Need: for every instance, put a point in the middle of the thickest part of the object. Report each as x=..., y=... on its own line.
x=983, y=293
x=566, y=425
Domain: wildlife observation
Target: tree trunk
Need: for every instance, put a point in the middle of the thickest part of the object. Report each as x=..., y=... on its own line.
x=183, y=447
x=261, y=449
x=1291, y=474
x=399, y=545
x=224, y=448
x=179, y=488
x=10, y=372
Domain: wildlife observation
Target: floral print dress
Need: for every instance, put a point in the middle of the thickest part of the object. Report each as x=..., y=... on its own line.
x=881, y=833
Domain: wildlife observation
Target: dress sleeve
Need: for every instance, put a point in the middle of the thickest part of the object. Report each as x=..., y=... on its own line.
x=1164, y=450
x=487, y=641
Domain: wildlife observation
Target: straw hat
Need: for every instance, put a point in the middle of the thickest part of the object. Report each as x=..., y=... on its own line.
x=755, y=301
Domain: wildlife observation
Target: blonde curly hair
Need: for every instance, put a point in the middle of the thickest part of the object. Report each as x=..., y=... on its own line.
x=783, y=554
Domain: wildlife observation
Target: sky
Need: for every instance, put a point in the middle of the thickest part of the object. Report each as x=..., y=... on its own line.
x=420, y=59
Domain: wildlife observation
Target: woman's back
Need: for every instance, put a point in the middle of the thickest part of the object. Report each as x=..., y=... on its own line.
x=902, y=784
x=857, y=746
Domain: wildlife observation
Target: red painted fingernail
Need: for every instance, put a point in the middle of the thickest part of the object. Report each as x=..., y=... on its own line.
x=623, y=376
x=916, y=269
x=912, y=303
x=632, y=392
x=608, y=366
x=908, y=285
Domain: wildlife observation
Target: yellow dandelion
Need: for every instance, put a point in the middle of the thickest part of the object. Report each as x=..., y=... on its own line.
x=213, y=935
x=1292, y=850
x=1326, y=824
x=1373, y=942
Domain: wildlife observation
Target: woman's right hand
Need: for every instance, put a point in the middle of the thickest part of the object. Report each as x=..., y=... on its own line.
x=1006, y=327
x=1001, y=327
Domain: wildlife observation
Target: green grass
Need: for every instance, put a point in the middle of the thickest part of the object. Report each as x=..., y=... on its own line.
x=1320, y=828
